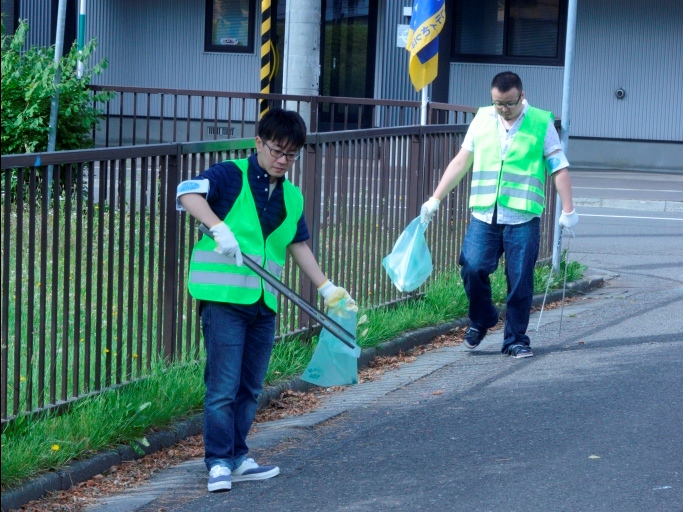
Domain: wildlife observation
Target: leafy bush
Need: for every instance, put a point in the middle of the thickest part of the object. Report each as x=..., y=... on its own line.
x=27, y=90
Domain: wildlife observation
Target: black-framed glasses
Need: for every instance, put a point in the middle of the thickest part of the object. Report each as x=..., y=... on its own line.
x=291, y=157
x=509, y=104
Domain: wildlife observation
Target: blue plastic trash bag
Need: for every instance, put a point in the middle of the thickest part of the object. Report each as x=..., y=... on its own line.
x=410, y=263
x=334, y=363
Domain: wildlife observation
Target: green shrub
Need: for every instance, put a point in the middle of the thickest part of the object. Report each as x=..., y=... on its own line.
x=27, y=90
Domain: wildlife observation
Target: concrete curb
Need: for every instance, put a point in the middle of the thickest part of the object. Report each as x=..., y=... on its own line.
x=84, y=470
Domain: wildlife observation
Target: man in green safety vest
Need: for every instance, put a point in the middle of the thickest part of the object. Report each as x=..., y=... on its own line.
x=509, y=144
x=254, y=210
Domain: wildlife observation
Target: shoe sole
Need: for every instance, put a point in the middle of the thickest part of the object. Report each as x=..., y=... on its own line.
x=522, y=356
x=220, y=486
x=256, y=476
x=470, y=346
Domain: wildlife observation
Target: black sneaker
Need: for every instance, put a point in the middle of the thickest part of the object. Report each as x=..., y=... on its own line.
x=473, y=337
x=520, y=351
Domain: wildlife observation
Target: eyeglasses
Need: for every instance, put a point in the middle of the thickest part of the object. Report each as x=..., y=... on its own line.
x=509, y=104
x=291, y=157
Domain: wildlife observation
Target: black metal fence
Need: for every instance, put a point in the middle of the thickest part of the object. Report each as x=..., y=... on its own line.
x=94, y=264
x=140, y=115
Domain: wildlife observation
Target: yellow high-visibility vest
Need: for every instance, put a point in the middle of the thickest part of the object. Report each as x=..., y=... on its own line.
x=216, y=277
x=517, y=182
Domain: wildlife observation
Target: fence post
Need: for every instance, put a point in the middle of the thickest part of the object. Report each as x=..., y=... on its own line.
x=170, y=244
x=313, y=127
x=422, y=161
x=418, y=162
x=312, y=188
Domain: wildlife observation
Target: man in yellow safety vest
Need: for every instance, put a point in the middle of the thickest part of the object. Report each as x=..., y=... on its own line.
x=509, y=144
x=254, y=210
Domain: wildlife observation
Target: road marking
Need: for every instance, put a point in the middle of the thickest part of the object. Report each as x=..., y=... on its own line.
x=626, y=217
x=630, y=190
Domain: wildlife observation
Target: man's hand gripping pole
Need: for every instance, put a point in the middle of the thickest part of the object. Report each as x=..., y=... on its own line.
x=335, y=329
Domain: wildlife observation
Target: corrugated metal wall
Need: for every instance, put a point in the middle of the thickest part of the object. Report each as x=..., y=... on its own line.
x=629, y=44
x=391, y=66
x=38, y=15
x=469, y=84
x=636, y=45
x=160, y=43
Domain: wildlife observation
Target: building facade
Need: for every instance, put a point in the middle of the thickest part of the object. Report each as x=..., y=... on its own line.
x=626, y=80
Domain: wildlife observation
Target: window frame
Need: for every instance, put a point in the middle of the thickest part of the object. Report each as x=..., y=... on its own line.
x=208, y=29
x=558, y=60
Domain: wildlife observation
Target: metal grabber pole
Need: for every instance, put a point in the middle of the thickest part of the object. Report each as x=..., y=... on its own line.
x=335, y=329
x=550, y=276
x=564, y=283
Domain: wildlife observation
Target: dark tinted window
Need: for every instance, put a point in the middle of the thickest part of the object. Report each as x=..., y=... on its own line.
x=514, y=31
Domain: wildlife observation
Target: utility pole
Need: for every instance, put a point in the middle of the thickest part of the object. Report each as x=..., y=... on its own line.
x=301, y=62
x=564, y=131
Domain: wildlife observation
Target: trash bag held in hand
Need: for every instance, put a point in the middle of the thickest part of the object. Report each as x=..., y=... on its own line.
x=333, y=362
x=410, y=263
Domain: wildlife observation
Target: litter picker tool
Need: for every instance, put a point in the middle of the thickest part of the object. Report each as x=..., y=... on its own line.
x=333, y=327
x=564, y=283
x=547, y=285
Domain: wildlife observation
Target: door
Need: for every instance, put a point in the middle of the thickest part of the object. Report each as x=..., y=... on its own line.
x=348, y=58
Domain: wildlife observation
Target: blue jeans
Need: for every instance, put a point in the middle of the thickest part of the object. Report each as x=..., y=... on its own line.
x=483, y=246
x=239, y=340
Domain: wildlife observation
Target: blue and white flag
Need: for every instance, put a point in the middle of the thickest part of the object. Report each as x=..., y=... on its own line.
x=426, y=22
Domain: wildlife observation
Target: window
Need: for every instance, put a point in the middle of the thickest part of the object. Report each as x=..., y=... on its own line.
x=510, y=31
x=229, y=26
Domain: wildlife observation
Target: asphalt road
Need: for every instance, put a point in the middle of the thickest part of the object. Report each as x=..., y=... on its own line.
x=594, y=422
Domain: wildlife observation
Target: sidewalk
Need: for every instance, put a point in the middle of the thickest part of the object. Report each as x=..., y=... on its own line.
x=159, y=490
x=270, y=433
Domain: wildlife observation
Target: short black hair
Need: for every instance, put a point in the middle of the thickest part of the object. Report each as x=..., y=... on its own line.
x=507, y=80
x=283, y=127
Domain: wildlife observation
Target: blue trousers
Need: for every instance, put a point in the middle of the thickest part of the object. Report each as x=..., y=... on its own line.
x=482, y=248
x=239, y=340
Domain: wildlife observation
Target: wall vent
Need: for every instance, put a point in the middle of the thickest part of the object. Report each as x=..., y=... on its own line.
x=221, y=130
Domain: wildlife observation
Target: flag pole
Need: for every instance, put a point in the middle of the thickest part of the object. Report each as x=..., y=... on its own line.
x=423, y=107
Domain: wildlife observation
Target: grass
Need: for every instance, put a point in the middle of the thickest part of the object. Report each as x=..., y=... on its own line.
x=36, y=444
x=32, y=445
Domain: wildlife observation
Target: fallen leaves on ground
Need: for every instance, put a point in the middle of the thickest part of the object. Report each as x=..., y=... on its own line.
x=556, y=304
x=118, y=478
x=291, y=403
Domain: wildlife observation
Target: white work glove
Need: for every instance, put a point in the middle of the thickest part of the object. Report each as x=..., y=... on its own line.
x=568, y=221
x=336, y=296
x=226, y=243
x=429, y=209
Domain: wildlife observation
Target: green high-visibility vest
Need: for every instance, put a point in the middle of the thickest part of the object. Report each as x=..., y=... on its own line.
x=217, y=278
x=517, y=182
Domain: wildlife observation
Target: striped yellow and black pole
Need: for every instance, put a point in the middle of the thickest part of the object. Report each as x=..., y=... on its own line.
x=265, y=54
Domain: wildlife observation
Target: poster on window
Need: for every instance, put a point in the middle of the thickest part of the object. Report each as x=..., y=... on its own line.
x=230, y=23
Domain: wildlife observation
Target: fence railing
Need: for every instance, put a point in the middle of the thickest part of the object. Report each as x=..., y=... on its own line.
x=94, y=264
x=138, y=115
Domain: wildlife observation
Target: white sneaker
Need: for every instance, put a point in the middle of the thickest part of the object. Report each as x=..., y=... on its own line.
x=219, y=479
x=249, y=470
